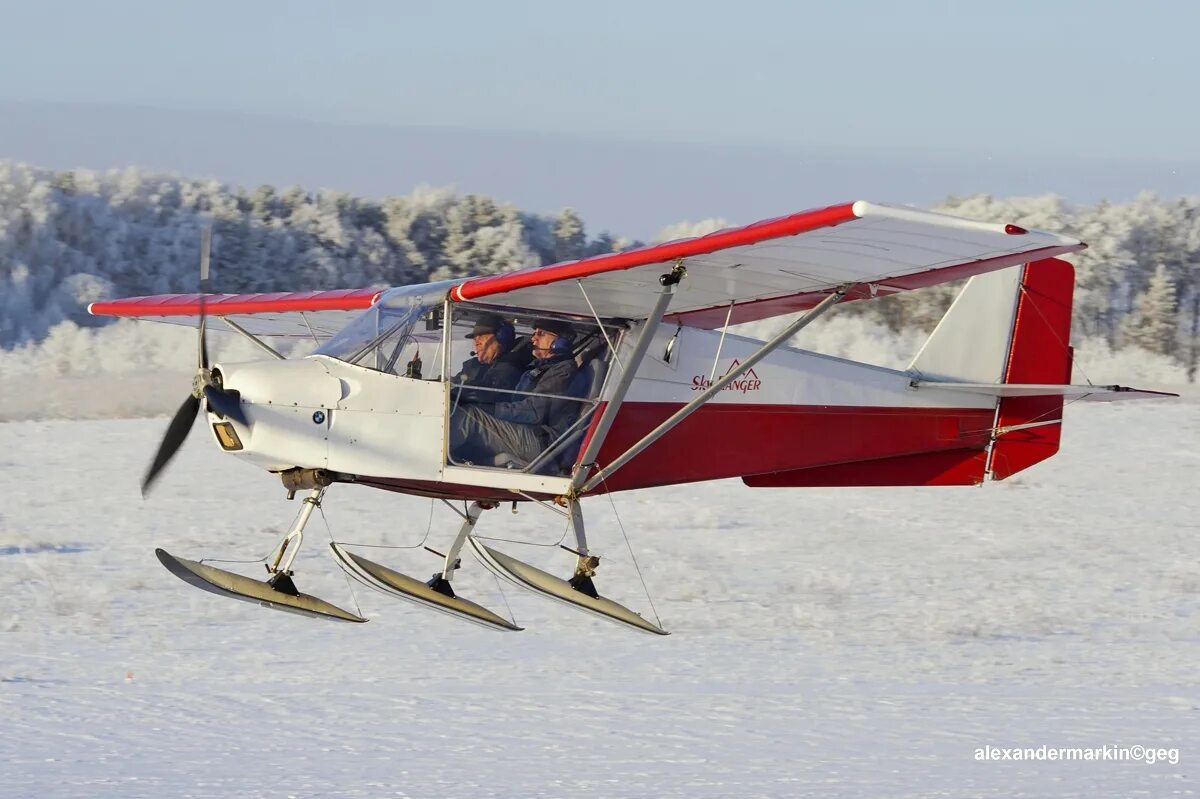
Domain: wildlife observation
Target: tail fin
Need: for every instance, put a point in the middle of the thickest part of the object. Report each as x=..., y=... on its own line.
x=1011, y=326
x=1028, y=428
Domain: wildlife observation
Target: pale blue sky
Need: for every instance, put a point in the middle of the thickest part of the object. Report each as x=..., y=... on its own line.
x=1092, y=79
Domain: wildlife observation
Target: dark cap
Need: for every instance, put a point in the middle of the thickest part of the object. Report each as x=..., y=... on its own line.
x=555, y=326
x=488, y=323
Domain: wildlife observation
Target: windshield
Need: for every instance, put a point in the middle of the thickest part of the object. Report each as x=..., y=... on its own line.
x=401, y=334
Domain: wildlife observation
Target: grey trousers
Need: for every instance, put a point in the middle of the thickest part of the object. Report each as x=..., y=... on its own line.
x=478, y=437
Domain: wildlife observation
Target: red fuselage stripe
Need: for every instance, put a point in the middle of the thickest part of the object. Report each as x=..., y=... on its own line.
x=735, y=440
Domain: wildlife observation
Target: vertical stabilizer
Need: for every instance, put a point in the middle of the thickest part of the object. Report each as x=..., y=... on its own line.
x=1010, y=326
x=1028, y=428
x=971, y=342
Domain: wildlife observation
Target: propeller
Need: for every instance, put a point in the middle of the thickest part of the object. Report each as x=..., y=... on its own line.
x=205, y=385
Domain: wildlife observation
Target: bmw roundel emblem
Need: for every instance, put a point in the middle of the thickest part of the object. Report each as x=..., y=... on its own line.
x=319, y=417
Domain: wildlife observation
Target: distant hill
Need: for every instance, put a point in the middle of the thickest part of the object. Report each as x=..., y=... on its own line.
x=633, y=188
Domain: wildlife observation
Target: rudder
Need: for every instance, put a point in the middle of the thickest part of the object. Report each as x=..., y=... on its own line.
x=1028, y=429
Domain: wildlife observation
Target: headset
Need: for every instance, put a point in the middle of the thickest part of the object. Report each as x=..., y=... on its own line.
x=506, y=335
x=562, y=345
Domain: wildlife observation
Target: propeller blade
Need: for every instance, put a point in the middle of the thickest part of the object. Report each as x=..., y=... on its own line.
x=177, y=431
x=205, y=250
x=225, y=404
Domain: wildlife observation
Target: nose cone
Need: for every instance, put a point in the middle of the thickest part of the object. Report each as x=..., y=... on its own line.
x=288, y=406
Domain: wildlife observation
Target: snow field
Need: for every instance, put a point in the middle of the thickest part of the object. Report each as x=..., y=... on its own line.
x=850, y=642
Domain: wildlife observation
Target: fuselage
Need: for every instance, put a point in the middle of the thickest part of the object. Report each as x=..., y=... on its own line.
x=795, y=410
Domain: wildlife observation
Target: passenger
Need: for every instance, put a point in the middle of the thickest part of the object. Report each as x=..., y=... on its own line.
x=528, y=425
x=497, y=363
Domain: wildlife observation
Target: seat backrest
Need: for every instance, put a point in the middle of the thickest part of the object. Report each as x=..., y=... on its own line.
x=595, y=371
x=587, y=384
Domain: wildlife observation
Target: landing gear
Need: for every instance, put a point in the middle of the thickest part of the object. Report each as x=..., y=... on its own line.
x=279, y=569
x=436, y=593
x=578, y=592
x=279, y=592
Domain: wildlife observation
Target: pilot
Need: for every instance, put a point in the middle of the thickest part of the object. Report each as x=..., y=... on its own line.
x=497, y=363
x=527, y=426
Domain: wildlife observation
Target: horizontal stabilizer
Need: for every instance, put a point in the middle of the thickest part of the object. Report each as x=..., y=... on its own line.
x=237, y=586
x=1086, y=393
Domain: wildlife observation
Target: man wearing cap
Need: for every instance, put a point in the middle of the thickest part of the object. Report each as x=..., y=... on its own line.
x=497, y=363
x=525, y=427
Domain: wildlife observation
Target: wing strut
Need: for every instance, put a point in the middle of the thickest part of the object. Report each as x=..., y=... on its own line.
x=628, y=371
x=687, y=410
x=255, y=339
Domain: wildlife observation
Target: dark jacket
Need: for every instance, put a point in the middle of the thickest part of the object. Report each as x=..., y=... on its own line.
x=503, y=373
x=557, y=376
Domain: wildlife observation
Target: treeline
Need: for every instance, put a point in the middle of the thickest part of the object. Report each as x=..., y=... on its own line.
x=73, y=237
x=1136, y=285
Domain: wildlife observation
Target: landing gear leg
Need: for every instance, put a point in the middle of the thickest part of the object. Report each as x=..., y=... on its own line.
x=586, y=565
x=280, y=568
x=279, y=591
x=440, y=582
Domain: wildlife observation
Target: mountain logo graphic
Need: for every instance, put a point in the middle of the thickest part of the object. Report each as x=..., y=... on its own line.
x=743, y=384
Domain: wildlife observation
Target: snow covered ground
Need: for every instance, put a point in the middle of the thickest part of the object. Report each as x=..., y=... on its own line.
x=839, y=643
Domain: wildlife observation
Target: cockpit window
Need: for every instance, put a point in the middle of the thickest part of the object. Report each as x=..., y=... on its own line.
x=401, y=334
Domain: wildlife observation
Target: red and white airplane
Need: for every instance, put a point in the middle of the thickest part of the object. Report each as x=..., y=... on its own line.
x=671, y=396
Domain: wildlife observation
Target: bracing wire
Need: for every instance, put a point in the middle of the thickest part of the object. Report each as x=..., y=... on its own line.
x=603, y=332
x=1065, y=345
x=1038, y=418
x=637, y=567
x=503, y=596
x=345, y=575
x=418, y=545
x=263, y=559
x=557, y=543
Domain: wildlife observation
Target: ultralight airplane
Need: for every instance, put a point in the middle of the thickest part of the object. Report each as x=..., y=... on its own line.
x=665, y=394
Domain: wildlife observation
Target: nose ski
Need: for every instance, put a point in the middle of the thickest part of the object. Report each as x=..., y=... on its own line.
x=237, y=586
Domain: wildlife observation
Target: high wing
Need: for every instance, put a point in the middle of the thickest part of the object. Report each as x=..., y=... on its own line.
x=294, y=314
x=777, y=266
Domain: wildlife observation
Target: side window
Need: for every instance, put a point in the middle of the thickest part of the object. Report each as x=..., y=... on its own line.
x=516, y=407
x=494, y=370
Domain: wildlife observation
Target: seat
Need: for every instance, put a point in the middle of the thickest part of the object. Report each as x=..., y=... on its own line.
x=590, y=379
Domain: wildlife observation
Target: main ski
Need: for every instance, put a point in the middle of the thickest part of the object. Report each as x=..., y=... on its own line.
x=548, y=585
x=401, y=586
x=237, y=586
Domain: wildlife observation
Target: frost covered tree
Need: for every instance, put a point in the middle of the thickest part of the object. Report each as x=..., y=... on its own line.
x=1152, y=325
x=569, y=237
x=687, y=230
x=68, y=238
